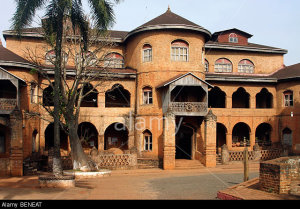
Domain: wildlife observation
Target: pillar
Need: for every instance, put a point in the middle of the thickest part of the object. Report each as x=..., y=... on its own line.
x=16, y=144
x=210, y=140
x=101, y=142
x=169, y=141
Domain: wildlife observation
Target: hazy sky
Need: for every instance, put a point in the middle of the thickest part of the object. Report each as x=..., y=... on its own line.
x=271, y=22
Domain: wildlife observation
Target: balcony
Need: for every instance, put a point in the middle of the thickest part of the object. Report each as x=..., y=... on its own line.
x=189, y=108
x=7, y=105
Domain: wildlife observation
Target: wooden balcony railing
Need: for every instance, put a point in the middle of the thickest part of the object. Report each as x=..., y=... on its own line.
x=189, y=107
x=7, y=104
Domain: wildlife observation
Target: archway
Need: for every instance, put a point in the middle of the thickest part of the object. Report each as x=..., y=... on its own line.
x=91, y=99
x=88, y=135
x=117, y=96
x=240, y=133
x=240, y=99
x=263, y=135
x=221, y=136
x=216, y=98
x=264, y=99
x=184, y=138
x=116, y=136
x=49, y=138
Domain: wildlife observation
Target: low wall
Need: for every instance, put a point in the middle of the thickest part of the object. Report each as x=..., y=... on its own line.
x=277, y=175
x=252, y=155
x=113, y=161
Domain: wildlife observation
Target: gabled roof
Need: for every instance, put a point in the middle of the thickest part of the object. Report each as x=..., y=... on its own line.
x=248, y=35
x=170, y=20
x=10, y=75
x=178, y=77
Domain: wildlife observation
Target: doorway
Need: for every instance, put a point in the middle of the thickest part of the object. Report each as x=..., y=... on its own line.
x=184, y=138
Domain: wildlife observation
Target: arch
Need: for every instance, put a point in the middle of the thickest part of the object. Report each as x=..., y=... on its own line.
x=216, y=98
x=240, y=132
x=287, y=137
x=116, y=136
x=49, y=138
x=221, y=136
x=4, y=139
x=90, y=100
x=148, y=143
x=147, y=53
x=184, y=138
x=147, y=95
x=114, y=60
x=264, y=99
x=48, y=94
x=180, y=50
x=7, y=90
x=35, y=144
x=117, y=96
x=241, y=99
x=223, y=65
x=263, y=134
x=246, y=66
x=88, y=135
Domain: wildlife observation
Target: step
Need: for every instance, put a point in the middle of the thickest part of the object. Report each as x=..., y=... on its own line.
x=188, y=164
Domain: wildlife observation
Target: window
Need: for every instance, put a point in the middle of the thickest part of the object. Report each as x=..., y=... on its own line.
x=206, y=65
x=2, y=143
x=223, y=66
x=288, y=99
x=147, y=95
x=246, y=66
x=114, y=60
x=33, y=92
x=180, y=51
x=147, y=140
x=147, y=53
x=51, y=57
x=233, y=38
x=89, y=59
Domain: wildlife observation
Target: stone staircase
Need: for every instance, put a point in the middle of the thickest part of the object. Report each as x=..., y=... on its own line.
x=182, y=164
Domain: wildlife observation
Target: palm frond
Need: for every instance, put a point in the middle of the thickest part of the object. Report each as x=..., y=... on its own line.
x=24, y=14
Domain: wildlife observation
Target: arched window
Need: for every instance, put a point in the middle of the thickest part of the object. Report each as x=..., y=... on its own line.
x=88, y=59
x=147, y=140
x=117, y=96
x=51, y=57
x=180, y=51
x=147, y=53
x=206, y=66
x=48, y=95
x=246, y=66
x=288, y=98
x=114, y=60
x=223, y=66
x=216, y=98
x=233, y=38
x=147, y=95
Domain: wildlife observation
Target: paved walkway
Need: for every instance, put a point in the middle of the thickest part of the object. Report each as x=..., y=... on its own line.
x=148, y=184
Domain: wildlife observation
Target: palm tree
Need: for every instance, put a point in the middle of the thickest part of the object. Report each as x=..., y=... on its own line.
x=56, y=12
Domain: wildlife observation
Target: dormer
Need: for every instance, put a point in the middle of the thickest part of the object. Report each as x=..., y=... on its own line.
x=232, y=36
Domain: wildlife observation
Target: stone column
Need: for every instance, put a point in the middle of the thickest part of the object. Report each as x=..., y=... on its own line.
x=101, y=142
x=169, y=141
x=210, y=139
x=16, y=144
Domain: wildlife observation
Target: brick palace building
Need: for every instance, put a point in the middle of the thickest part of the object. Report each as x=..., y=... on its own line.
x=189, y=90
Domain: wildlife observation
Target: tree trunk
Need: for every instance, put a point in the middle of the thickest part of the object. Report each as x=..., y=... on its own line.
x=79, y=158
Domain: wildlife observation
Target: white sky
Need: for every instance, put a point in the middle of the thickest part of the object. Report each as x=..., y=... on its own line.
x=271, y=22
